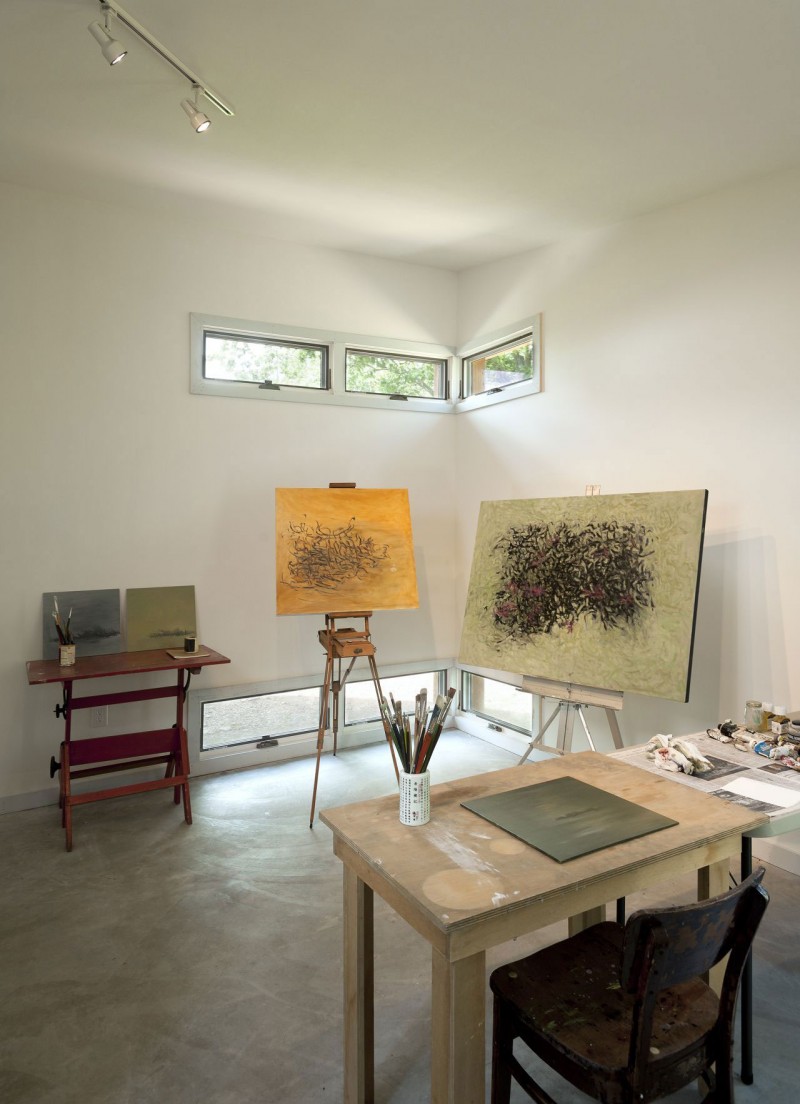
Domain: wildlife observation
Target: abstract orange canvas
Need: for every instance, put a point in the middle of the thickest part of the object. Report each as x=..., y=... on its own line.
x=343, y=550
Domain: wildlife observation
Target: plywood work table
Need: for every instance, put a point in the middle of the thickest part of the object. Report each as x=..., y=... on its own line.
x=466, y=885
x=83, y=757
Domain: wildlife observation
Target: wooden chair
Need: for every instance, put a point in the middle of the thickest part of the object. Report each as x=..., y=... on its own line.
x=623, y=1013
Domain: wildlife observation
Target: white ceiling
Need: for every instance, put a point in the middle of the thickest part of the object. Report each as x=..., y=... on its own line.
x=446, y=132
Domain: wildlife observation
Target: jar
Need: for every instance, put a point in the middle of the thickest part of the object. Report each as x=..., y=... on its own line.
x=752, y=716
x=766, y=716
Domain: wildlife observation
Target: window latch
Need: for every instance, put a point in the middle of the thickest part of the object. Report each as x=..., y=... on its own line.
x=399, y=398
x=268, y=385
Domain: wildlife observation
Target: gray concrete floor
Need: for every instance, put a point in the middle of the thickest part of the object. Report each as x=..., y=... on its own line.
x=164, y=963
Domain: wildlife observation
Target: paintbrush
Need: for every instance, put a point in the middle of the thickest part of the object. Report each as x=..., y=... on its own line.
x=392, y=730
x=437, y=731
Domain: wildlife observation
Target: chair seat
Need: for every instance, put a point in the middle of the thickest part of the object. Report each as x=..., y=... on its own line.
x=569, y=1008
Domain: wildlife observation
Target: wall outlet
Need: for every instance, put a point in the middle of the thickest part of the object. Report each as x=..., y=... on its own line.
x=592, y=489
x=98, y=716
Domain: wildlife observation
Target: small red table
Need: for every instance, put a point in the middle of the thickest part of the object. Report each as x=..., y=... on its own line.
x=130, y=749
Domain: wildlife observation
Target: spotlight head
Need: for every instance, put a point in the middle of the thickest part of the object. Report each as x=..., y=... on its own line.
x=111, y=50
x=197, y=118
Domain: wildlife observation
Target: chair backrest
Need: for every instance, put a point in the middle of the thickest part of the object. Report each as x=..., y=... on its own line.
x=667, y=947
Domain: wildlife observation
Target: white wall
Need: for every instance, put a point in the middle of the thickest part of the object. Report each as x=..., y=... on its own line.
x=113, y=475
x=671, y=361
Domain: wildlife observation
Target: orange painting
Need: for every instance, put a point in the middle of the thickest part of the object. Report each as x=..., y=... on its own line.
x=343, y=550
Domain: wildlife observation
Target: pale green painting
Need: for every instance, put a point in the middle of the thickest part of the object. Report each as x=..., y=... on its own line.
x=598, y=591
x=159, y=617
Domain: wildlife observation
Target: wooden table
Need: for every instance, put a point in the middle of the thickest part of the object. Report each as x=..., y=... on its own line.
x=131, y=749
x=466, y=886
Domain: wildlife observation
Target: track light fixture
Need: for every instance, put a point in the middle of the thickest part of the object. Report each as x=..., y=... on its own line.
x=113, y=52
x=199, y=121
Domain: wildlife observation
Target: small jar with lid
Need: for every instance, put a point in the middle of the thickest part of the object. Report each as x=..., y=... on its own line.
x=752, y=716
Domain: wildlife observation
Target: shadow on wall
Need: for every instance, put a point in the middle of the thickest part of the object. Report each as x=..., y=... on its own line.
x=739, y=651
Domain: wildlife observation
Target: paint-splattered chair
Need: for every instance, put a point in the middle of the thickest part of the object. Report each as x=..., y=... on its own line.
x=623, y=1013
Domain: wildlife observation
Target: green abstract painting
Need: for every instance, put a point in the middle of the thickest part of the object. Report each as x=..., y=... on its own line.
x=597, y=591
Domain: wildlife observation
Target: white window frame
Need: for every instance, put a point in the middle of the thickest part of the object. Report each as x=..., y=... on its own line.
x=338, y=343
x=528, y=327
x=297, y=744
x=495, y=730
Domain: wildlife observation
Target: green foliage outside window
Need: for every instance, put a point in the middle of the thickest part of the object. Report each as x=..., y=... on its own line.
x=378, y=373
x=511, y=365
x=252, y=361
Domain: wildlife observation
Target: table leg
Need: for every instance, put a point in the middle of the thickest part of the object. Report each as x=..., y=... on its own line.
x=359, y=1011
x=711, y=882
x=583, y=920
x=458, y=1030
x=66, y=812
x=746, y=991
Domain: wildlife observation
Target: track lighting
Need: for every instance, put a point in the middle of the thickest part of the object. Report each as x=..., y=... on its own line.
x=112, y=50
x=199, y=121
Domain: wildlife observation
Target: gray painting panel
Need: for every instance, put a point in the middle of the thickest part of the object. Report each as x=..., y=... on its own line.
x=95, y=623
x=565, y=818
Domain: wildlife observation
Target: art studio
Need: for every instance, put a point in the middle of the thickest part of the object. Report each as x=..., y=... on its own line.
x=399, y=664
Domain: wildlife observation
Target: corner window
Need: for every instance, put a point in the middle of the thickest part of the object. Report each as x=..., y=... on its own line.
x=496, y=702
x=237, y=358
x=502, y=366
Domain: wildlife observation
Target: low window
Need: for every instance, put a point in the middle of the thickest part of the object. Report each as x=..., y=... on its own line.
x=361, y=701
x=264, y=361
x=496, y=701
x=246, y=720
x=228, y=718
x=391, y=374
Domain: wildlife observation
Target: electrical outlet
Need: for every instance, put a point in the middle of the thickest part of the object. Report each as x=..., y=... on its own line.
x=592, y=489
x=98, y=716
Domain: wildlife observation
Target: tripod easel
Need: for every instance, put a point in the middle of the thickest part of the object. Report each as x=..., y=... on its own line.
x=344, y=644
x=571, y=700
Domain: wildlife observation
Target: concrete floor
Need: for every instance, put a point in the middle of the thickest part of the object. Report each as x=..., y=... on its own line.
x=163, y=963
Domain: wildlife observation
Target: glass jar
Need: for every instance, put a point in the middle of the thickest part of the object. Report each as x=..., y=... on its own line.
x=752, y=715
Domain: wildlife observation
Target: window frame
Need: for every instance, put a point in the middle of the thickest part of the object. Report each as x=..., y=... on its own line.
x=290, y=745
x=493, y=721
x=486, y=343
x=336, y=342
x=263, y=339
x=441, y=367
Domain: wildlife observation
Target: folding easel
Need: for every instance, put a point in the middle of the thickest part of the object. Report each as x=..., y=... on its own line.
x=571, y=700
x=344, y=644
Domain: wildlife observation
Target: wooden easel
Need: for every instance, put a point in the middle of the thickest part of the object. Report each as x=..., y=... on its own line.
x=344, y=644
x=571, y=700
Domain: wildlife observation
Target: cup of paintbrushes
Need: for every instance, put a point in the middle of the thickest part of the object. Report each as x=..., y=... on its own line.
x=415, y=798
